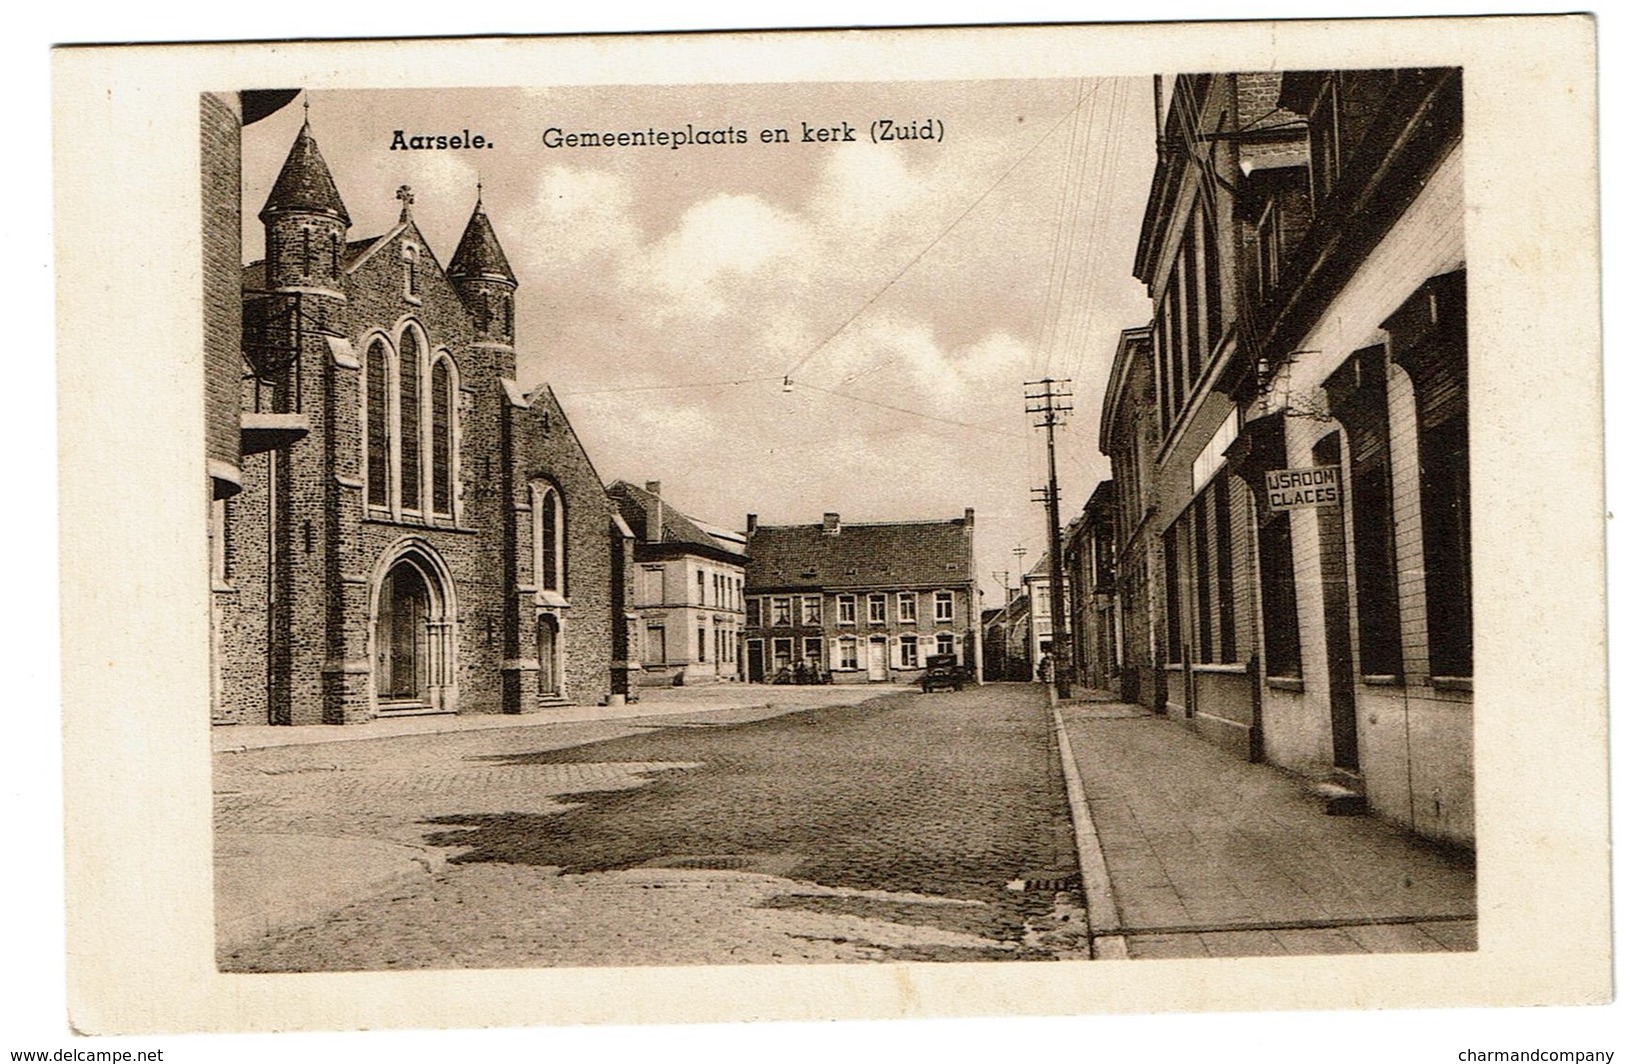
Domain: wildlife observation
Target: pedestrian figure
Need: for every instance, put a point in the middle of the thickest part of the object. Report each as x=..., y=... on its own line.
x=1044, y=669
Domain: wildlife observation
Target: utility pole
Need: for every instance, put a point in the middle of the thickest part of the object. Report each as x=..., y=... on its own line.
x=1050, y=401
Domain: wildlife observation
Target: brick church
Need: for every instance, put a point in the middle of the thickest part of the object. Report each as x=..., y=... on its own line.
x=408, y=532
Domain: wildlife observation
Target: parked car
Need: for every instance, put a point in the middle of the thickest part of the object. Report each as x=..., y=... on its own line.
x=942, y=671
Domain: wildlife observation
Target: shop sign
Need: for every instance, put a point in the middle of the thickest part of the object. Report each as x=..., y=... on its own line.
x=1291, y=489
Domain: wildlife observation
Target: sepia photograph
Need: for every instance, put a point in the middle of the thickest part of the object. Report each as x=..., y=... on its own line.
x=752, y=693
x=816, y=525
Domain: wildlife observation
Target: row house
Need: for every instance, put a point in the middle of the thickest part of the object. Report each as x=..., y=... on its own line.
x=1006, y=640
x=1130, y=437
x=1303, y=246
x=1088, y=551
x=857, y=603
x=1040, y=616
x=689, y=591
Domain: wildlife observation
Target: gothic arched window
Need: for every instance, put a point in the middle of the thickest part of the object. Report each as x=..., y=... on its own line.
x=443, y=401
x=378, y=390
x=547, y=517
x=411, y=423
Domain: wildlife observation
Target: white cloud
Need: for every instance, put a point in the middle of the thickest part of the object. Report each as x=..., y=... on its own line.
x=718, y=245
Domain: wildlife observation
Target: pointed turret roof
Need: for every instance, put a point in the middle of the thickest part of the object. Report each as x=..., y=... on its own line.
x=478, y=253
x=305, y=183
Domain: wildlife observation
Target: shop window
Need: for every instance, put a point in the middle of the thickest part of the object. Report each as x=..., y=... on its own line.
x=1280, y=597
x=1173, y=624
x=1429, y=340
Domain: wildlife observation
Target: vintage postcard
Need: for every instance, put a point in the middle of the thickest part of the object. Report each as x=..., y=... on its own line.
x=852, y=524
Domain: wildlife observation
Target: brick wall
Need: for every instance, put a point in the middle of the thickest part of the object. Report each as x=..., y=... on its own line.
x=220, y=127
x=547, y=450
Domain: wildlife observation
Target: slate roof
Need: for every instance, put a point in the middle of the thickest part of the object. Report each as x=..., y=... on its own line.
x=478, y=253
x=636, y=504
x=921, y=554
x=305, y=183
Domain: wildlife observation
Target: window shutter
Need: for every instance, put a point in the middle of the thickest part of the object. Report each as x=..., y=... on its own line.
x=896, y=653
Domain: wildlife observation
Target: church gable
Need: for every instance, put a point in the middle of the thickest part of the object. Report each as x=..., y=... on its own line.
x=550, y=449
x=399, y=271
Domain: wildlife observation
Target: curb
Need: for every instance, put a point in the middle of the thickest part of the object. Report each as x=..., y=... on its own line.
x=1105, y=923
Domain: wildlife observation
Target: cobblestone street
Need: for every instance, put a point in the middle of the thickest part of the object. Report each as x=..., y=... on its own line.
x=888, y=830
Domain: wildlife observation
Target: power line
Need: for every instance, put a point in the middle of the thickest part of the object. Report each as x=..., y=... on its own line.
x=937, y=239
x=667, y=387
x=904, y=410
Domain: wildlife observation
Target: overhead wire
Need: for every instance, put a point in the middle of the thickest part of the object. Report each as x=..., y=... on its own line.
x=1063, y=202
x=905, y=410
x=668, y=387
x=789, y=373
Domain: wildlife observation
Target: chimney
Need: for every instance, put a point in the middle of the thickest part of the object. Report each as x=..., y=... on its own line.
x=750, y=524
x=656, y=530
x=970, y=517
x=832, y=524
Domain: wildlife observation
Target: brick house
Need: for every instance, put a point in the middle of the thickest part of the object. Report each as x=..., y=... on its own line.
x=1006, y=640
x=437, y=541
x=1129, y=437
x=689, y=591
x=1088, y=548
x=1303, y=245
x=1360, y=335
x=860, y=603
x=1040, y=616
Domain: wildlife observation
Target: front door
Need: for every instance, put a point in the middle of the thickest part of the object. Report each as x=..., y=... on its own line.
x=755, y=665
x=547, y=656
x=402, y=637
x=877, y=659
x=1339, y=648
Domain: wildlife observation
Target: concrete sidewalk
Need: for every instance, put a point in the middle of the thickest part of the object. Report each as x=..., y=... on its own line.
x=1204, y=855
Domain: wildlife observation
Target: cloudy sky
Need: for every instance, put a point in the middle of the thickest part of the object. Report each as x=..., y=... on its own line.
x=907, y=289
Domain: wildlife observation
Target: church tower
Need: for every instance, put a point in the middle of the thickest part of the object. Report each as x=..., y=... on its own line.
x=480, y=273
x=305, y=223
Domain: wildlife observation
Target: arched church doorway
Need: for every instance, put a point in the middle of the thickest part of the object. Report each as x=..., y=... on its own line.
x=412, y=636
x=403, y=637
